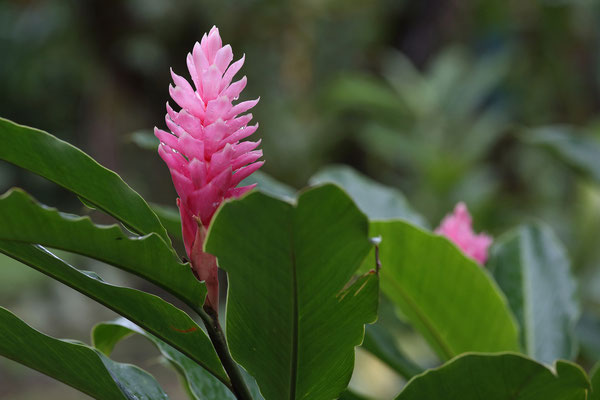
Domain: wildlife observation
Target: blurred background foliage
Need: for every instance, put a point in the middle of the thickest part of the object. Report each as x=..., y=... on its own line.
x=492, y=102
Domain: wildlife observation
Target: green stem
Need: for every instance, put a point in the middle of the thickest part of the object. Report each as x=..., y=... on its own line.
x=217, y=337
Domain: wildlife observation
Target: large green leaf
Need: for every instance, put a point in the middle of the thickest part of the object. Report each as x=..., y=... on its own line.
x=374, y=199
x=199, y=382
x=66, y=165
x=151, y=312
x=498, y=377
x=578, y=151
x=75, y=364
x=531, y=266
x=25, y=220
x=447, y=297
x=292, y=320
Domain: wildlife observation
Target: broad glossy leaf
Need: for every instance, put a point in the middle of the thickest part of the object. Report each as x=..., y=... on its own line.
x=531, y=266
x=446, y=296
x=67, y=166
x=374, y=199
x=75, y=364
x=201, y=384
x=25, y=220
x=498, y=377
x=151, y=312
x=291, y=320
x=580, y=152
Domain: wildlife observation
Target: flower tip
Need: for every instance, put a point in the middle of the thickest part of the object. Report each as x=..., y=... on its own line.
x=461, y=208
x=457, y=227
x=197, y=47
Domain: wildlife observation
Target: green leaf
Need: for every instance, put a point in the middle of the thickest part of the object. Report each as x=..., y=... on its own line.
x=446, y=296
x=498, y=377
x=151, y=312
x=69, y=167
x=75, y=364
x=25, y=220
x=531, y=266
x=381, y=344
x=578, y=151
x=292, y=320
x=201, y=384
x=374, y=199
x=350, y=395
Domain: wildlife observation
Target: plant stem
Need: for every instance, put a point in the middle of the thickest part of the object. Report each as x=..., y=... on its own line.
x=217, y=337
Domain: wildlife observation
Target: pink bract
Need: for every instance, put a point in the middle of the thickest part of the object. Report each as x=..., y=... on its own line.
x=458, y=228
x=203, y=150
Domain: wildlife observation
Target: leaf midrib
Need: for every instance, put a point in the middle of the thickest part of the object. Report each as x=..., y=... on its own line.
x=294, y=349
x=443, y=346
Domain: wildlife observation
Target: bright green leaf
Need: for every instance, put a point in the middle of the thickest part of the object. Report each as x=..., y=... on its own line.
x=374, y=199
x=25, y=220
x=199, y=382
x=67, y=166
x=74, y=364
x=151, y=312
x=498, y=377
x=292, y=321
x=446, y=296
x=531, y=266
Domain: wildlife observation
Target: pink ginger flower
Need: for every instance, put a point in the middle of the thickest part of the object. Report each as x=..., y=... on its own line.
x=203, y=151
x=458, y=228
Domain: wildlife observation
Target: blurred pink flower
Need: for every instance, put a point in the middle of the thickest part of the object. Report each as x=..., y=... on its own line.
x=203, y=150
x=458, y=228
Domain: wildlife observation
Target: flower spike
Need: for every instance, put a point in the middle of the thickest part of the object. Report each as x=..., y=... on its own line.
x=203, y=149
